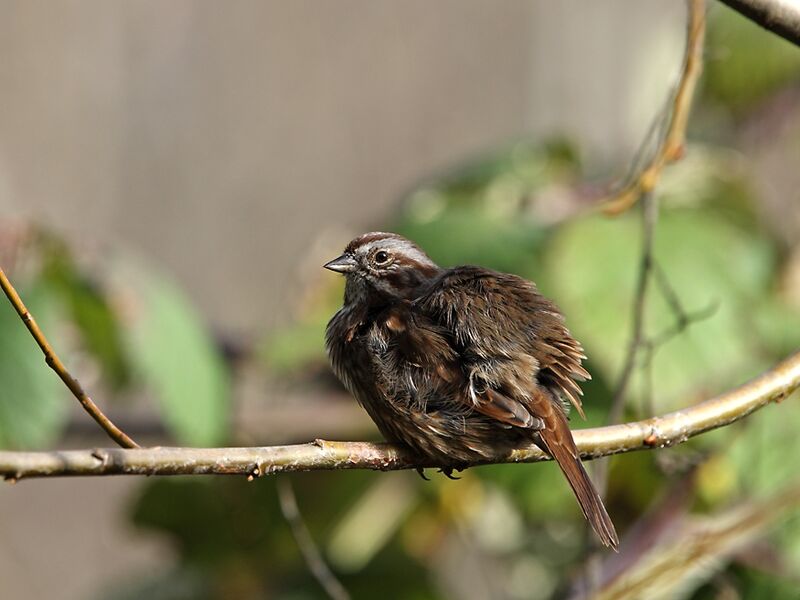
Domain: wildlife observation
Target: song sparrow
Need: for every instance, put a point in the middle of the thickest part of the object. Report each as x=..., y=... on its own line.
x=459, y=364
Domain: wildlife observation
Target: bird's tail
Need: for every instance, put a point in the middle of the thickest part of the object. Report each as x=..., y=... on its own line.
x=556, y=440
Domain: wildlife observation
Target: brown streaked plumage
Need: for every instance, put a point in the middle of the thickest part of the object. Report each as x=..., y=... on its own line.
x=458, y=364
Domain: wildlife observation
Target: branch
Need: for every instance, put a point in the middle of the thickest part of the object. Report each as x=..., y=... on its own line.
x=672, y=145
x=657, y=432
x=52, y=360
x=781, y=17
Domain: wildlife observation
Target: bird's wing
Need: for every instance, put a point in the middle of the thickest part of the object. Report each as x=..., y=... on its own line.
x=502, y=326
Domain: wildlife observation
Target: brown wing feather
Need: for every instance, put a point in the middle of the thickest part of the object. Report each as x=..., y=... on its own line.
x=492, y=313
x=502, y=408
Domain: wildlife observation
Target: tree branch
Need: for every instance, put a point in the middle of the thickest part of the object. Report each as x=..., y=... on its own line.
x=781, y=17
x=52, y=360
x=657, y=432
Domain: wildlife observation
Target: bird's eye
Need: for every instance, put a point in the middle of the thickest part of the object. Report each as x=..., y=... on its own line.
x=381, y=257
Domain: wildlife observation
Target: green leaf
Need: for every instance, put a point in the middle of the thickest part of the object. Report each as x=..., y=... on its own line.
x=32, y=411
x=177, y=359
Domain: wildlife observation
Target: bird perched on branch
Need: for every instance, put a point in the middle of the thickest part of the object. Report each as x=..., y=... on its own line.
x=461, y=364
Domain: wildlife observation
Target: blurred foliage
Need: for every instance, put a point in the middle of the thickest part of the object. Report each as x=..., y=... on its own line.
x=717, y=270
x=88, y=308
x=496, y=194
x=139, y=328
x=176, y=358
x=744, y=66
x=291, y=349
x=695, y=550
x=32, y=404
x=233, y=537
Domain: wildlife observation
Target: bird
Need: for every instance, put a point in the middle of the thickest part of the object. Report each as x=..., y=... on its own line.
x=459, y=364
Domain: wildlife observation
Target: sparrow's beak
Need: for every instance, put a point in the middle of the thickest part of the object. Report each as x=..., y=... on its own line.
x=343, y=264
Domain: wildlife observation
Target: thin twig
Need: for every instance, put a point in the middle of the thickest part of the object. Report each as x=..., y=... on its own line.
x=672, y=144
x=311, y=554
x=655, y=135
x=650, y=346
x=52, y=360
x=649, y=219
x=683, y=320
x=683, y=317
x=646, y=261
x=667, y=430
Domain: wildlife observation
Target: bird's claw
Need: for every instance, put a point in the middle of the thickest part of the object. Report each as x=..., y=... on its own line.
x=448, y=472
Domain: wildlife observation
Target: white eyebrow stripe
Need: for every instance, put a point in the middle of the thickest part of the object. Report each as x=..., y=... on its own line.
x=399, y=245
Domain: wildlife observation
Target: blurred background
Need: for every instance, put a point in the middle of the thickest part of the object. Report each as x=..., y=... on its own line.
x=172, y=176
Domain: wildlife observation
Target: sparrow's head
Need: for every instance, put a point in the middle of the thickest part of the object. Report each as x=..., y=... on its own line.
x=382, y=266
